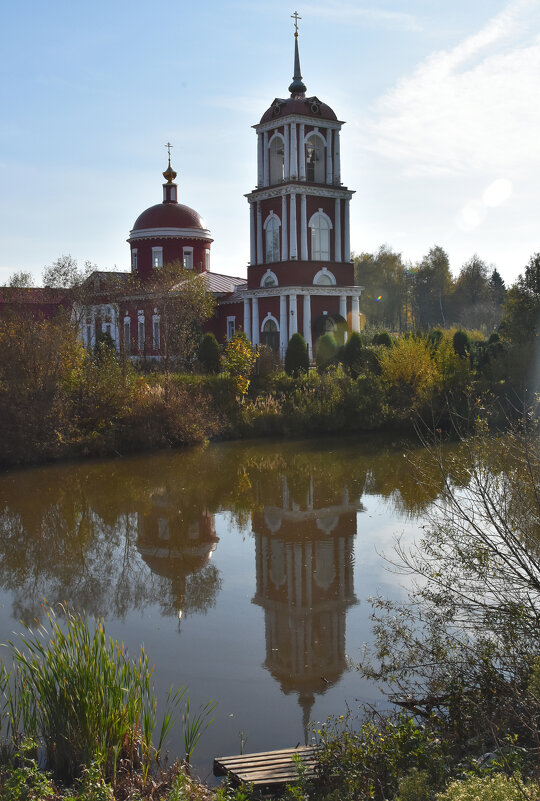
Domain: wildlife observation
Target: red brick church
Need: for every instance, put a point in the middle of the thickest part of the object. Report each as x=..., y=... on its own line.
x=300, y=275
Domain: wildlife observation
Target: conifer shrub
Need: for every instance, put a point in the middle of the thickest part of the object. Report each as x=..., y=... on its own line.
x=494, y=338
x=209, y=353
x=382, y=338
x=296, y=357
x=435, y=337
x=352, y=354
x=327, y=349
x=462, y=343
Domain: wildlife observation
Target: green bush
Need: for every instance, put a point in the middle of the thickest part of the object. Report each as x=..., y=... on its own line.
x=352, y=354
x=382, y=338
x=435, y=337
x=296, y=357
x=461, y=343
x=327, y=349
x=209, y=353
x=490, y=788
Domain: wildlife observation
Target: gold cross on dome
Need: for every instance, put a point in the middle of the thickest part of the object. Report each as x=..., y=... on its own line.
x=296, y=16
x=168, y=146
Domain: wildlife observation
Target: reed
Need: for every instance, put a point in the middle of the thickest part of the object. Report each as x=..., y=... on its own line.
x=78, y=695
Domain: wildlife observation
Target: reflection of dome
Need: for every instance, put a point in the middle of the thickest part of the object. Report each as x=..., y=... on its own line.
x=169, y=215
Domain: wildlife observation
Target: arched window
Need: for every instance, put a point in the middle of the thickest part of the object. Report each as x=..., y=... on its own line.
x=277, y=160
x=272, y=238
x=315, y=171
x=320, y=236
x=269, y=279
x=324, y=278
x=270, y=334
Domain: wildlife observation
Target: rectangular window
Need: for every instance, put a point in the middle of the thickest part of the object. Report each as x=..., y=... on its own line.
x=141, y=336
x=157, y=257
x=134, y=260
x=88, y=335
x=127, y=336
x=207, y=259
x=188, y=258
x=156, y=334
x=231, y=327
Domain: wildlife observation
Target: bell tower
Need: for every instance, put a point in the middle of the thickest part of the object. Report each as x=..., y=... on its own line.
x=299, y=213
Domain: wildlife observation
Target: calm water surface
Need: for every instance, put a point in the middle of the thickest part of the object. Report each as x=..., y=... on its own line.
x=244, y=569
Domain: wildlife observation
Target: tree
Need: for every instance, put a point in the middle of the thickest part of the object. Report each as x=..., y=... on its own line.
x=184, y=305
x=382, y=275
x=296, y=357
x=432, y=286
x=239, y=360
x=21, y=280
x=326, y=350
x=65, y=273
x=209, y=353
x=472, y=301
x=521, y=318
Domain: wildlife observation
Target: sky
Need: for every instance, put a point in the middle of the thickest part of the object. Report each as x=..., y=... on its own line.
x=441, y=103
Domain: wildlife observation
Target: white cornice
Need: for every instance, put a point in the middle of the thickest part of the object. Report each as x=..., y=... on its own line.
x=170, y=233
x=310, y=289
x=277, y=122
x=299, y=188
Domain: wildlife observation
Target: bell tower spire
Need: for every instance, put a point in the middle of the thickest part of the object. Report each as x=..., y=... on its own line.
x=297, y=87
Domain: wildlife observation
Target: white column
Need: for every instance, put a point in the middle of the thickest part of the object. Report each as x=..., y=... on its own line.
x=252, y=236
x=260, y=167
x=255, y=329
x=302, y=152
x=286, y=164
x=355, y=322
x=284, y=238
x=283, y=327
x=293, y=239
x=329, y=156
x=293, y=314
x=259, y=234
x=307, y=323
x=303, y=228
x=347, y=232
x=247, y=318
x=337, y=230
x=294, y=154
x=337, y=159
x=343, y=306
x=266, y=179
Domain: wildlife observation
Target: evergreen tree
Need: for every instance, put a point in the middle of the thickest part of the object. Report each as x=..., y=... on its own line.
x=209, y=353
x=296, y=357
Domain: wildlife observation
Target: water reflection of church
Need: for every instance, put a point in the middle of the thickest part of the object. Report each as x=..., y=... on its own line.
x=304, y=566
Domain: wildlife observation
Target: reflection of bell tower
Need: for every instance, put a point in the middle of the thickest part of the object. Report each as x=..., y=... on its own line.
x=304, y=567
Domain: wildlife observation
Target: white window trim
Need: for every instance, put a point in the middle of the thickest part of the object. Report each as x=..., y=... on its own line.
x=134, y=260
x=157, y=253
x=156, y=319
x=231, y=319
x=187, y=251
x=324, y=271
x=207, y=259
x=314, y=133
x=269, y=274
x=127, y=322
x=271, y=216
x=323, y=214
x=269, y=317
x=140, y=319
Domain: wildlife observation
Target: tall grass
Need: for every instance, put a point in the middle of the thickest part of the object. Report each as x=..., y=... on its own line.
x=76, y=693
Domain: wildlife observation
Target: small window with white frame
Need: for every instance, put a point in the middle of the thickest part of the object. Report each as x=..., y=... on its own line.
x=231, y=327
x=141, y=334
x=188, y=258
x=157, y=257
x=127, y=336
x=156, y=333
x=134, y=260
x=207, y=259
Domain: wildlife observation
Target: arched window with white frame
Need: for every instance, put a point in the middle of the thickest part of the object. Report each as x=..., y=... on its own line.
x=320, y=225
x=271, y=227
x=277, y=159
x=315, y=159
x=269, y=279
x=270, y=332
x=324, y=278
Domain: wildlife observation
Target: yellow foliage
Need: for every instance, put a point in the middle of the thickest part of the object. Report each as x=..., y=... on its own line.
x=409, y=364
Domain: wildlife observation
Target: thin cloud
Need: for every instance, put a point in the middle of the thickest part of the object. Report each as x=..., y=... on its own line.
x=469, y=108
x=350, y=12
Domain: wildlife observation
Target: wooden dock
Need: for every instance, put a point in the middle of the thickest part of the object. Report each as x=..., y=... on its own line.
x=267, y=768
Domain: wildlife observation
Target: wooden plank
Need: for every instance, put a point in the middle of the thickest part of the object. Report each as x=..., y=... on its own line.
x=267, y=767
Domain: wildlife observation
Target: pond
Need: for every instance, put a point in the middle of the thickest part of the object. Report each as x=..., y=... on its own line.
x=243, y=567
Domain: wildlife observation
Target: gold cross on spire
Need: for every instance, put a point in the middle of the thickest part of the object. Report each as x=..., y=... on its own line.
x=168, y=146
x=296, y=16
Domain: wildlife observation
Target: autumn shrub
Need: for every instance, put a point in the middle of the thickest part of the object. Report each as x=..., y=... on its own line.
x=238, y=360
x=296, y=357
x=382, y=338
x=409, y=375
x=491, y=788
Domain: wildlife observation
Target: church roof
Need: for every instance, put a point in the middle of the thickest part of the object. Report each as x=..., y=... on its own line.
x=307, y=106
x=169, y=215
x=222, y=284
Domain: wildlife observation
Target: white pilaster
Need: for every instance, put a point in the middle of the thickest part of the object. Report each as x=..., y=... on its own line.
x=293, y=237
x=329, y=156
x=252, y=236
x=266, y=179
x=293, y=314
x=303, y=228
x=259, y=234
x=255, y=328
x=347, y=233
x=307, y=324
x=337, y=230
x=286, y=155
x=284, y=230
x=260, y=161
x=355, y=322
x=294, y=153
x=337, y=159
x=343, y=306
x=302, y=152
x=247, y=318
x=283, y=327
